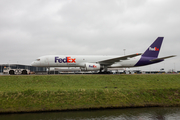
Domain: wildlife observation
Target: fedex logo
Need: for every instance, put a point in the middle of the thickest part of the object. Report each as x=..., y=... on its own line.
x=153, y=49
x=92, y=66
x=65, y=60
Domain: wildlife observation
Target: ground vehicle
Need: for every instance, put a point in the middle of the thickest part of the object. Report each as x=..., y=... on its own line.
x=10, y=71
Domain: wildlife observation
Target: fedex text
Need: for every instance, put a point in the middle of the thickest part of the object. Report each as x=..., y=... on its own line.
x=65, y=60
x=153, y=49
x=92, y=66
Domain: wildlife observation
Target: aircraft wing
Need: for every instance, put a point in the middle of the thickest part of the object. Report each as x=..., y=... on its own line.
x=158, y=59
x=117, y=59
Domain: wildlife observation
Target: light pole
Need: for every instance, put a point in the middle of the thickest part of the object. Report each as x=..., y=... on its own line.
x=124, y=51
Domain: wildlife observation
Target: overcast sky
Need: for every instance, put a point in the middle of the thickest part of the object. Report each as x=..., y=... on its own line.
x=33, y=28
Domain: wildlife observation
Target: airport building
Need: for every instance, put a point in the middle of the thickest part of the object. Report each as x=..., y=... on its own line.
x=43, y=70
x=20, y=66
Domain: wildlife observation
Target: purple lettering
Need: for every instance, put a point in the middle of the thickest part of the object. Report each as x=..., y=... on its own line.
x=65, y=60
x=60, y=60
x=56, y=59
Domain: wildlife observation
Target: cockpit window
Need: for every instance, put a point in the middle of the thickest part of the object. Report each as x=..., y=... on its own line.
x=37, y=59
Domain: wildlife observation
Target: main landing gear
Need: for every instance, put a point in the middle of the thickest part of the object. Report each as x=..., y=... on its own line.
x=104, y=71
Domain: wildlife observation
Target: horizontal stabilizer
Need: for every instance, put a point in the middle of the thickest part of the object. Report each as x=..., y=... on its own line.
x=117, y=59
x=158, y=59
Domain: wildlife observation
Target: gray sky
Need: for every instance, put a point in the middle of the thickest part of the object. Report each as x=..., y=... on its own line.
x=33, y=28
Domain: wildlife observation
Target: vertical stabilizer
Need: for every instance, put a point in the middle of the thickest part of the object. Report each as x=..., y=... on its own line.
x=154, y=48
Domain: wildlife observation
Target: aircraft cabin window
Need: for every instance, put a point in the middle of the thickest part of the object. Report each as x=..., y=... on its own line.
x=37, y=59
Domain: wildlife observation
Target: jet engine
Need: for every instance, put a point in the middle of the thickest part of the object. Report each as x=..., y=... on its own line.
x=91, y=67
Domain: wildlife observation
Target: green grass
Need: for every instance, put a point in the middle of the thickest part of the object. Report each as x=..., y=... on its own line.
x=77, y=82
x=65, y=92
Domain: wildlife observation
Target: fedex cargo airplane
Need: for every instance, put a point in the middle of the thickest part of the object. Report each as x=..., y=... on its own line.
x=99, y=63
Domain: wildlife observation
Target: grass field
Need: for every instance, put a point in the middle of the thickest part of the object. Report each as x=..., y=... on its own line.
x=67, y=92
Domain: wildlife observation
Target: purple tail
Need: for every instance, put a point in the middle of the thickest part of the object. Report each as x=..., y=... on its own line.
x=154, y=48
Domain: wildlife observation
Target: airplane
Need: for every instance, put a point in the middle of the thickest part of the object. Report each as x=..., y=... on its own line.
x=99, y=63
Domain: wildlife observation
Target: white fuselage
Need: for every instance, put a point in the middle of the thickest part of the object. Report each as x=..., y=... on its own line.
x=80, y=61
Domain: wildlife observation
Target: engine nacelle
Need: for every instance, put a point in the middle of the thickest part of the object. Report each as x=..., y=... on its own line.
x=91, y=67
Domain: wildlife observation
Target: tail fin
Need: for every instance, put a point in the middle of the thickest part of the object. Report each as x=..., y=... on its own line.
x=154, y=48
